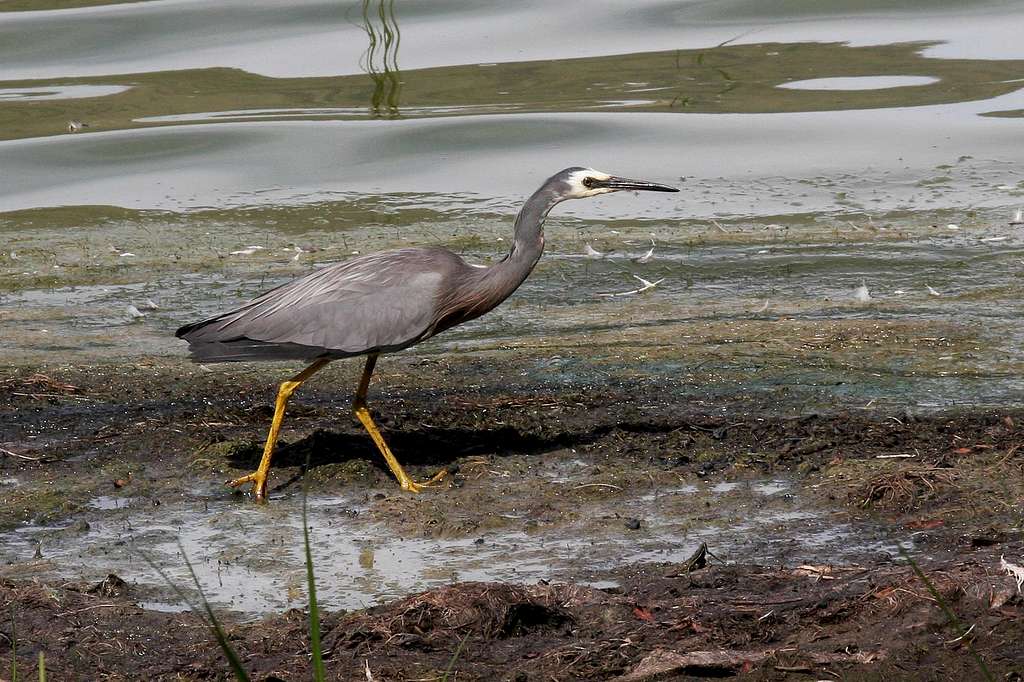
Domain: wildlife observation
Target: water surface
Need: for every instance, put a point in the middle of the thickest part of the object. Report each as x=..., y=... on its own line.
x=819, y=147
x=251, y=560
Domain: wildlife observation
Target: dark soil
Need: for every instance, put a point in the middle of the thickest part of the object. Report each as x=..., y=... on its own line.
x=879, y=622
x=955, y=478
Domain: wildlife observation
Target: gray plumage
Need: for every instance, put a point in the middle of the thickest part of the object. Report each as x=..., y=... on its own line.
x=385, y=302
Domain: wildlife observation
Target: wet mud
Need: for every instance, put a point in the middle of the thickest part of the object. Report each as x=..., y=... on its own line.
x=566, y=543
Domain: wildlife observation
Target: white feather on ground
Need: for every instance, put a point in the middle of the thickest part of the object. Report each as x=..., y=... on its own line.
x=861, y=293
x=1013, y=570
x=646, y=285
x=646, y=257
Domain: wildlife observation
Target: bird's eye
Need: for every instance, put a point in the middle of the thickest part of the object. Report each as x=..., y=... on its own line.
x=589, y=182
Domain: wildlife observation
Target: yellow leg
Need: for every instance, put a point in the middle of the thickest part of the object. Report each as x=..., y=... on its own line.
x=258, y=478
x=363, y=415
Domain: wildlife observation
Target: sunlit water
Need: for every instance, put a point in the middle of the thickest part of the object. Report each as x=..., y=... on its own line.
x=251, y=559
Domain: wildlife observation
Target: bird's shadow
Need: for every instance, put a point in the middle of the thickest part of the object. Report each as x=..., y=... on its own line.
x=434, y=446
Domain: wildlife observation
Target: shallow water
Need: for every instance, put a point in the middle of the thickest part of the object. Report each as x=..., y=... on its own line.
x=820, y=147
x=250, y=559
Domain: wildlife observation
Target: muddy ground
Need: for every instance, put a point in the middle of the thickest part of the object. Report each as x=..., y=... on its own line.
x=952, y=482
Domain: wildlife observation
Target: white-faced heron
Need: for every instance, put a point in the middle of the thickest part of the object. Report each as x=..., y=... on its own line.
x=382, y=303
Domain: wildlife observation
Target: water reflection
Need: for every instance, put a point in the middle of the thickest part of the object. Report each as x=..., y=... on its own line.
x=380, y=61
x=749, y=79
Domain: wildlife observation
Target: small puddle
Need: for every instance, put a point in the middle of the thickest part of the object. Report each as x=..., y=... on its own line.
x=60, y=92
x=110, y=502
x=851, y=83
x=250, y=559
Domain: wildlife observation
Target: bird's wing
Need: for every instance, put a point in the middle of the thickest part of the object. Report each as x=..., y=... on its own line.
x=383, y=301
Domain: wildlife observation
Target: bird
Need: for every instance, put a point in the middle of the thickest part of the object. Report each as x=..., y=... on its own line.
x=381, y=303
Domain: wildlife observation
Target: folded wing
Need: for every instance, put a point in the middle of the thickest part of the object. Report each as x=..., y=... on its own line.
x=376, y=303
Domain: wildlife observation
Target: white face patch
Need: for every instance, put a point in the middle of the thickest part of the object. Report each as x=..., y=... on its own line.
x=580, y=191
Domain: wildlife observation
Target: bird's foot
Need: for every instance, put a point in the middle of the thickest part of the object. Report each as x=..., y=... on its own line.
x=411, y=486
x=259, y=484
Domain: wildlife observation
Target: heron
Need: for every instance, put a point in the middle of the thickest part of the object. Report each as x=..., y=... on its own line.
x=381, y=303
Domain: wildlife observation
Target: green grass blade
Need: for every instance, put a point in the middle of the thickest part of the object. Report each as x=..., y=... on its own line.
x=14, y=647
x=218, y=632
x=954, y=622
x=319, y=674
x=455, y=657
x=42, y=667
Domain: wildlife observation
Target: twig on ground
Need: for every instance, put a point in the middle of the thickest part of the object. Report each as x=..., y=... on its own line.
x=10, y=453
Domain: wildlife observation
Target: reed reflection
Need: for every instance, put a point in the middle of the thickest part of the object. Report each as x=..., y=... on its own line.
x=380, y=61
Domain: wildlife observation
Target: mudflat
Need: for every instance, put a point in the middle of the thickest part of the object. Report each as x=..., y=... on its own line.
x=619, y=528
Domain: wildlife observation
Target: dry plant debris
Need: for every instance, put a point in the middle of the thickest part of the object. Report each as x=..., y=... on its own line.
x=902, y=488
x=38, y=386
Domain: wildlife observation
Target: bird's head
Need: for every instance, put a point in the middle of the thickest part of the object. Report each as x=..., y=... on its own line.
x=580, y=183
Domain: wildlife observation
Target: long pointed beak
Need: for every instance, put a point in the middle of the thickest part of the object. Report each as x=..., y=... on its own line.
x=627, y=184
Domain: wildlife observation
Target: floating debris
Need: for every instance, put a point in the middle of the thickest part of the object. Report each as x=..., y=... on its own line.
x=952, y=226
x=76, y=126
x=247, y=251
x=150, y=304
x=590, y=252
x=126, y=254
x=646, y=285
x=1018, y=217
x=932, y=291
x=861, y=293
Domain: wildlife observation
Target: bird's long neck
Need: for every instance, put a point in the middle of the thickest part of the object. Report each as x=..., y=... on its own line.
x=483, y=289
x=528, y=240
